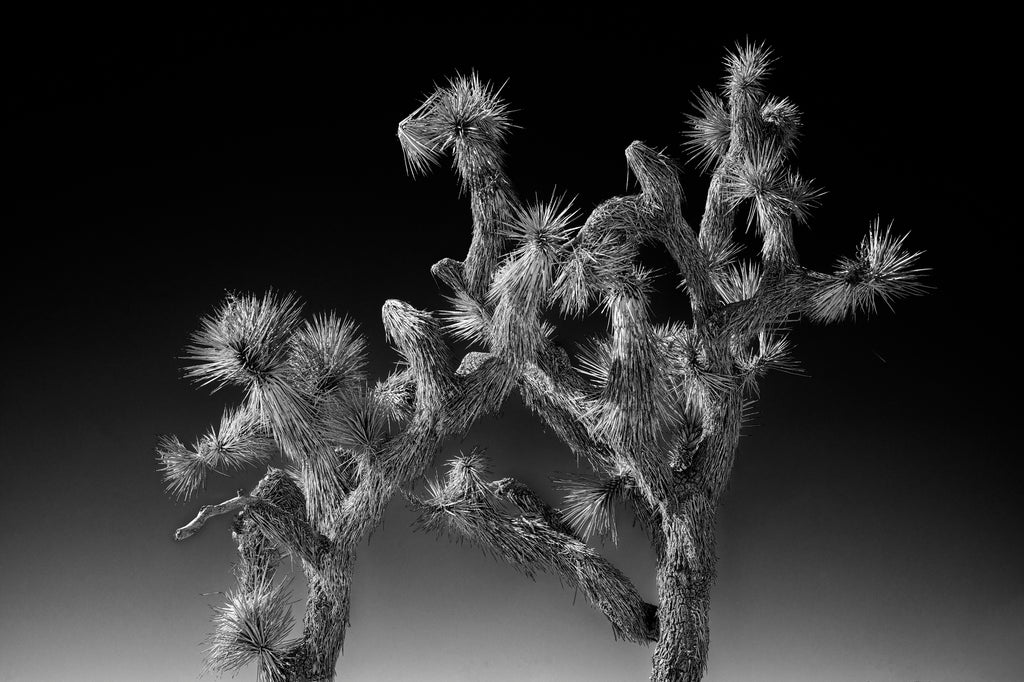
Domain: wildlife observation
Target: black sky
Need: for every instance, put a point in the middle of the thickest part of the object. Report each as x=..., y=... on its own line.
x=155, y=161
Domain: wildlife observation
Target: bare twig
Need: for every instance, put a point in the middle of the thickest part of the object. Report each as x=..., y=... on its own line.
x=208, y=512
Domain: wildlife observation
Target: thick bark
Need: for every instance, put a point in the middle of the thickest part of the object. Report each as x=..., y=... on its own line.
x=315, y=657
x=686, y=569
x=684, y=577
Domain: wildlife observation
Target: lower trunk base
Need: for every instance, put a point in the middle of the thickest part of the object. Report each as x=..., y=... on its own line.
x=685, y=575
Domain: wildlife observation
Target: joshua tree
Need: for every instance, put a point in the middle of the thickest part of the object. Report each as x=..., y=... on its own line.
x=655, y=410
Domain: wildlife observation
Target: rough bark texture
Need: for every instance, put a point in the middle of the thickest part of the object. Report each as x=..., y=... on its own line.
x=315, y=657
x=684, y=578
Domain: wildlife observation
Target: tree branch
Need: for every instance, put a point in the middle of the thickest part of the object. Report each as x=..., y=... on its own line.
x=531, y=544
x=208, y=512
x=529, y=502
x=480, y=384
x=277, y=508
x=663, y=196
x=882, y=270
x=551, y=389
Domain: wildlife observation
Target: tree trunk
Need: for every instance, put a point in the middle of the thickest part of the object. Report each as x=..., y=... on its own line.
x=685, y=575
x=315, y=657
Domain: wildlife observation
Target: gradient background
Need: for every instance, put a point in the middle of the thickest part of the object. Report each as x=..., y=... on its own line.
x=872, y=528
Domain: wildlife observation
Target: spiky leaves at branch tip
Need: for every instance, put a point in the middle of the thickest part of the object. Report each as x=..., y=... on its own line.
x=520, y=288
x=456, y=509
x=594, y=358
x=467, y=320
x=417, y=134
x=240, y=441
x=707, y=134
x=881, y=270
x=747, y=66
x=328, y=356
x=360, y=425
x=695, y=378
x=782, y=122
x=468, y=119
x=183, y=470
x=776, y=193
x=591, y=504
x=396, y=395
x=360, y=429
x=464, y=480
x=244, y=341
x=597, y=259
x=542, y=227
x=466, y=472
x=247, y=342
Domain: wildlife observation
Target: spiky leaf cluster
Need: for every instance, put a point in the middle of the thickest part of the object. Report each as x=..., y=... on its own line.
x=747, y=69
x=245, y=341
x=467, y=319
x=882, y=270
x=240, y=441
x=590, y=504
x=467, y=119
x=696, y=376
x=774, y=352
x=740, y=282
x=775, y=192
x=709, y=131
x=249, y=341
x=520, y=288
x=252, y=625
x=328, y=356
x=781, y=123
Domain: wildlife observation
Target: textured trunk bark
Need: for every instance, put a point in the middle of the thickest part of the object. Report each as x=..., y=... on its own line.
x=315, y=657
x=685, y=575
x=687, y=570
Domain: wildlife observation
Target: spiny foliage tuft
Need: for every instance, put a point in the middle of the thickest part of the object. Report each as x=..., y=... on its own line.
x=774, y=191
x=252, y=625
x=467, y=119
x=328, y=356
x=882, y=269
x=239, y=442
x=708, y=135
x=590, y=504
x=747, y=68
x=245, y=341
x=519, y=290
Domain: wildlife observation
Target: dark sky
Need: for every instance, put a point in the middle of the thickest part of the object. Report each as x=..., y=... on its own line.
x=154, y=161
